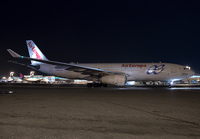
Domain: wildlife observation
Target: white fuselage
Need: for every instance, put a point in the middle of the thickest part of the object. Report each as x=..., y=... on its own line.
x=134, y=71
x=105, y=73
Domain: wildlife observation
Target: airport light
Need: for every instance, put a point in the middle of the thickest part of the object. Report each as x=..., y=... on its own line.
x=131, y=83
x=172, y=82
x=195, y=76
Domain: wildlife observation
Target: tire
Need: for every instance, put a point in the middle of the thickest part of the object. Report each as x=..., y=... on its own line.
x=97, y=85
x=104, y=85
x=89, y=84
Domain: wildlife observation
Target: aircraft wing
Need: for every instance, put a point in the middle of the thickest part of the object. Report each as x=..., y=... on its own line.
x=35, y=67
x=67, y=66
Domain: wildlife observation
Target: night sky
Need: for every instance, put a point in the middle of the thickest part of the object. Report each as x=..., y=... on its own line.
x=102, y=31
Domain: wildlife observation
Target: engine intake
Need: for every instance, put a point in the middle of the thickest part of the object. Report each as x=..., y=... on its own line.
x=118, y=80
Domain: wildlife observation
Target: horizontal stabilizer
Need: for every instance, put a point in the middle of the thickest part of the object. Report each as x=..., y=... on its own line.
x=14, y=54
x=35, y=67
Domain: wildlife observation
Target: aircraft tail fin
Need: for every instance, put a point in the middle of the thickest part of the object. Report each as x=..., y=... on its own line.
x=21, y=75
x=34, y=52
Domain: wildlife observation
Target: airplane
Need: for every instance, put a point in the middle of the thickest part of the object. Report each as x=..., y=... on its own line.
x=3, y=80
x=33, y=78
x=14, y=79
x=103, y=74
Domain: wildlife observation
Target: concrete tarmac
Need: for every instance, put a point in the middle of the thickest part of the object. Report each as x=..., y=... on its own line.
x=132, y=112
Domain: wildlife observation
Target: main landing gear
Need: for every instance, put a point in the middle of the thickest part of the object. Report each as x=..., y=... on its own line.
x=96, y=85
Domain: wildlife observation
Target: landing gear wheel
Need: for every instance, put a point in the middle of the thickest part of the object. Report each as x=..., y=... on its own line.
x=89, y=84
x=104, y=85
x=97, y=85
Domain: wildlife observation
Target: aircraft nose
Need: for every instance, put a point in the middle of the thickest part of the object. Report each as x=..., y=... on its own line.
x=192, y=72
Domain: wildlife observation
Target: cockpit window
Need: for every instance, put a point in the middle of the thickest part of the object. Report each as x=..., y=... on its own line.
x=186, y=68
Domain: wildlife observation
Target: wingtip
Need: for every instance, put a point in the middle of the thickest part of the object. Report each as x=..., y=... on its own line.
x=14, y=54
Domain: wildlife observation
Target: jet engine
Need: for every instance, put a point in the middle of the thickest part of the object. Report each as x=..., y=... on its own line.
x=118, y=80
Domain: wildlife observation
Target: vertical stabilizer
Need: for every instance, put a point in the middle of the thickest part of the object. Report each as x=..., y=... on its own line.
x=34, y=52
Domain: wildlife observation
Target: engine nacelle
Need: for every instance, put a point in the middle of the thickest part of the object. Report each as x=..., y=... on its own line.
x=118, y=80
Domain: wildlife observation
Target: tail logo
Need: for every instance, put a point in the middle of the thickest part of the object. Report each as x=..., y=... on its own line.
x=34, y=50
x=155, y=69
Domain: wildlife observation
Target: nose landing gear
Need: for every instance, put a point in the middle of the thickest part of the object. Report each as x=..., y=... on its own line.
x=96, y=85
